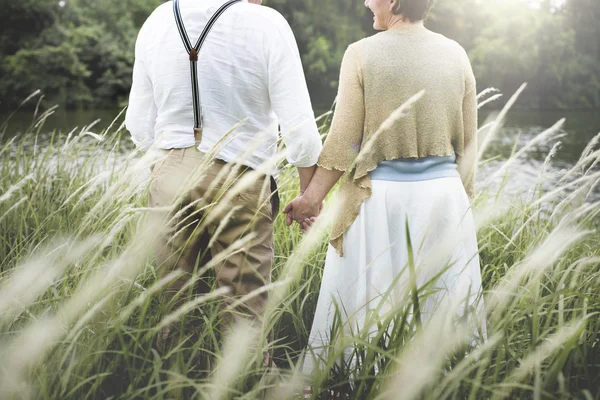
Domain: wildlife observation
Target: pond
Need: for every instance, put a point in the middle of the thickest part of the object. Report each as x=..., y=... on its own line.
x=579, y=128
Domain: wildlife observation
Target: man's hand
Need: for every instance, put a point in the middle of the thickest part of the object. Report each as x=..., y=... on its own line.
x=301, y=209
x=306, y=207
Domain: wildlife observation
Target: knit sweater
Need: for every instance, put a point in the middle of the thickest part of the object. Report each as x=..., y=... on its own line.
x=380, y=74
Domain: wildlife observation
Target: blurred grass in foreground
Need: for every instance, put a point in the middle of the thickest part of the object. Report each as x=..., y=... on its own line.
x=79, y=293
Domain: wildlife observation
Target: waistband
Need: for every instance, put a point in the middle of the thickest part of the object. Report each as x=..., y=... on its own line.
x=409, y=170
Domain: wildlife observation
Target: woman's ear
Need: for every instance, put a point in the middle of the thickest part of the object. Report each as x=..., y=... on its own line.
x=394, y=4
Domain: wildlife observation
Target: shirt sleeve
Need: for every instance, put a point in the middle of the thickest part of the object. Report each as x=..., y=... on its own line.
x=290, y=99
x=141, y=113
x=347, y=128
x=467, y=162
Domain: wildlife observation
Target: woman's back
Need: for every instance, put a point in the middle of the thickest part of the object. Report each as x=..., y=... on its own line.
x=378, y=75
x=396, y=65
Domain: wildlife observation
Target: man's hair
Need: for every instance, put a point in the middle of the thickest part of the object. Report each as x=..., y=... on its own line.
x=413, y=10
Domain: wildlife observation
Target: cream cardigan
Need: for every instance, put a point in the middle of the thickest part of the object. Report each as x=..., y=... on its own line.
x=378, y=75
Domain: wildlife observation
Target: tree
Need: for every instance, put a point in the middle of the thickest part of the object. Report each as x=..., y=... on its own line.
x=23, y=21
x=323, y=30
x=537, y=46
x=79, y=55
x=583, y=17
x=460, y=20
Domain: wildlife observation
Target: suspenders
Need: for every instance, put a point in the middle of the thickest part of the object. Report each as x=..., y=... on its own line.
x=193, y=52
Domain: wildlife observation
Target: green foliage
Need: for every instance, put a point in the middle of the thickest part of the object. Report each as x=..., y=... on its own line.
x=554, y=50
x=539, y=47
x=461, y=20
x=81, y=55
x=22, y=21
x=323, y=30
x=56, y=70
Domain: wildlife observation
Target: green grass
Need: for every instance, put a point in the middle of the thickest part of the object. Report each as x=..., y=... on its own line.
x=79, y=292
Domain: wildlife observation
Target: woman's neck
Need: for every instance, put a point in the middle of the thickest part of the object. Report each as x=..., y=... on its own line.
x=397, y=22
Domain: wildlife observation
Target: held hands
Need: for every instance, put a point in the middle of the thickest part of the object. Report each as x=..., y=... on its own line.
x=302, y=210
x=306, y=207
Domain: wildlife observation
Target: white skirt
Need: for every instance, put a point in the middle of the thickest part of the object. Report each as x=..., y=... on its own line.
x=374, y=272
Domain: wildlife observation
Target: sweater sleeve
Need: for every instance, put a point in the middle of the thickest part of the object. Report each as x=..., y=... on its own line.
x=467, y=162
x=345, y=136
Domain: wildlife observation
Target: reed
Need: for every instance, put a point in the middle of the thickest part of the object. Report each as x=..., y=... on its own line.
x=79, y=291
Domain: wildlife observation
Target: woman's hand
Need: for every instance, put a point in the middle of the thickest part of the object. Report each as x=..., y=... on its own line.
x=308, y=223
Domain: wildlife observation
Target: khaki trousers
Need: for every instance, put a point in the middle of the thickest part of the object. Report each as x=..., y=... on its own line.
x=188, y=195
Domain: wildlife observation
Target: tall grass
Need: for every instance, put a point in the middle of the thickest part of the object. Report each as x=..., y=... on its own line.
x=80, y=310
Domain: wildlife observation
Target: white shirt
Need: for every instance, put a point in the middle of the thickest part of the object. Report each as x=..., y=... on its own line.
x=249, y=69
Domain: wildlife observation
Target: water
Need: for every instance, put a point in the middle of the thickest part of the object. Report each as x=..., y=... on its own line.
x=61, y=120
x=520, y=127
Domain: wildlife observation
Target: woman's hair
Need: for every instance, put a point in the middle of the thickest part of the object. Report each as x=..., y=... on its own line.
x=413, y=10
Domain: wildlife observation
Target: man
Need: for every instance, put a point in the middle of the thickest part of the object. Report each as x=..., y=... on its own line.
x=250, y=80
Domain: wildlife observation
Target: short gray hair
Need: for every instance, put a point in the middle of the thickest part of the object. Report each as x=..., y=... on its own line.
x=413, y=10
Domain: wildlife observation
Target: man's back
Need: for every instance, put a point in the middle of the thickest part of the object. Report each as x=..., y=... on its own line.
x=246, y=71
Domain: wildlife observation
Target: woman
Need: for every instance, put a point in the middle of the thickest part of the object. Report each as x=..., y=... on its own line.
x=418, y=173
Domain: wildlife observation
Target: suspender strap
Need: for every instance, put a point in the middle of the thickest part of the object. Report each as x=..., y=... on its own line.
x=194, y=50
